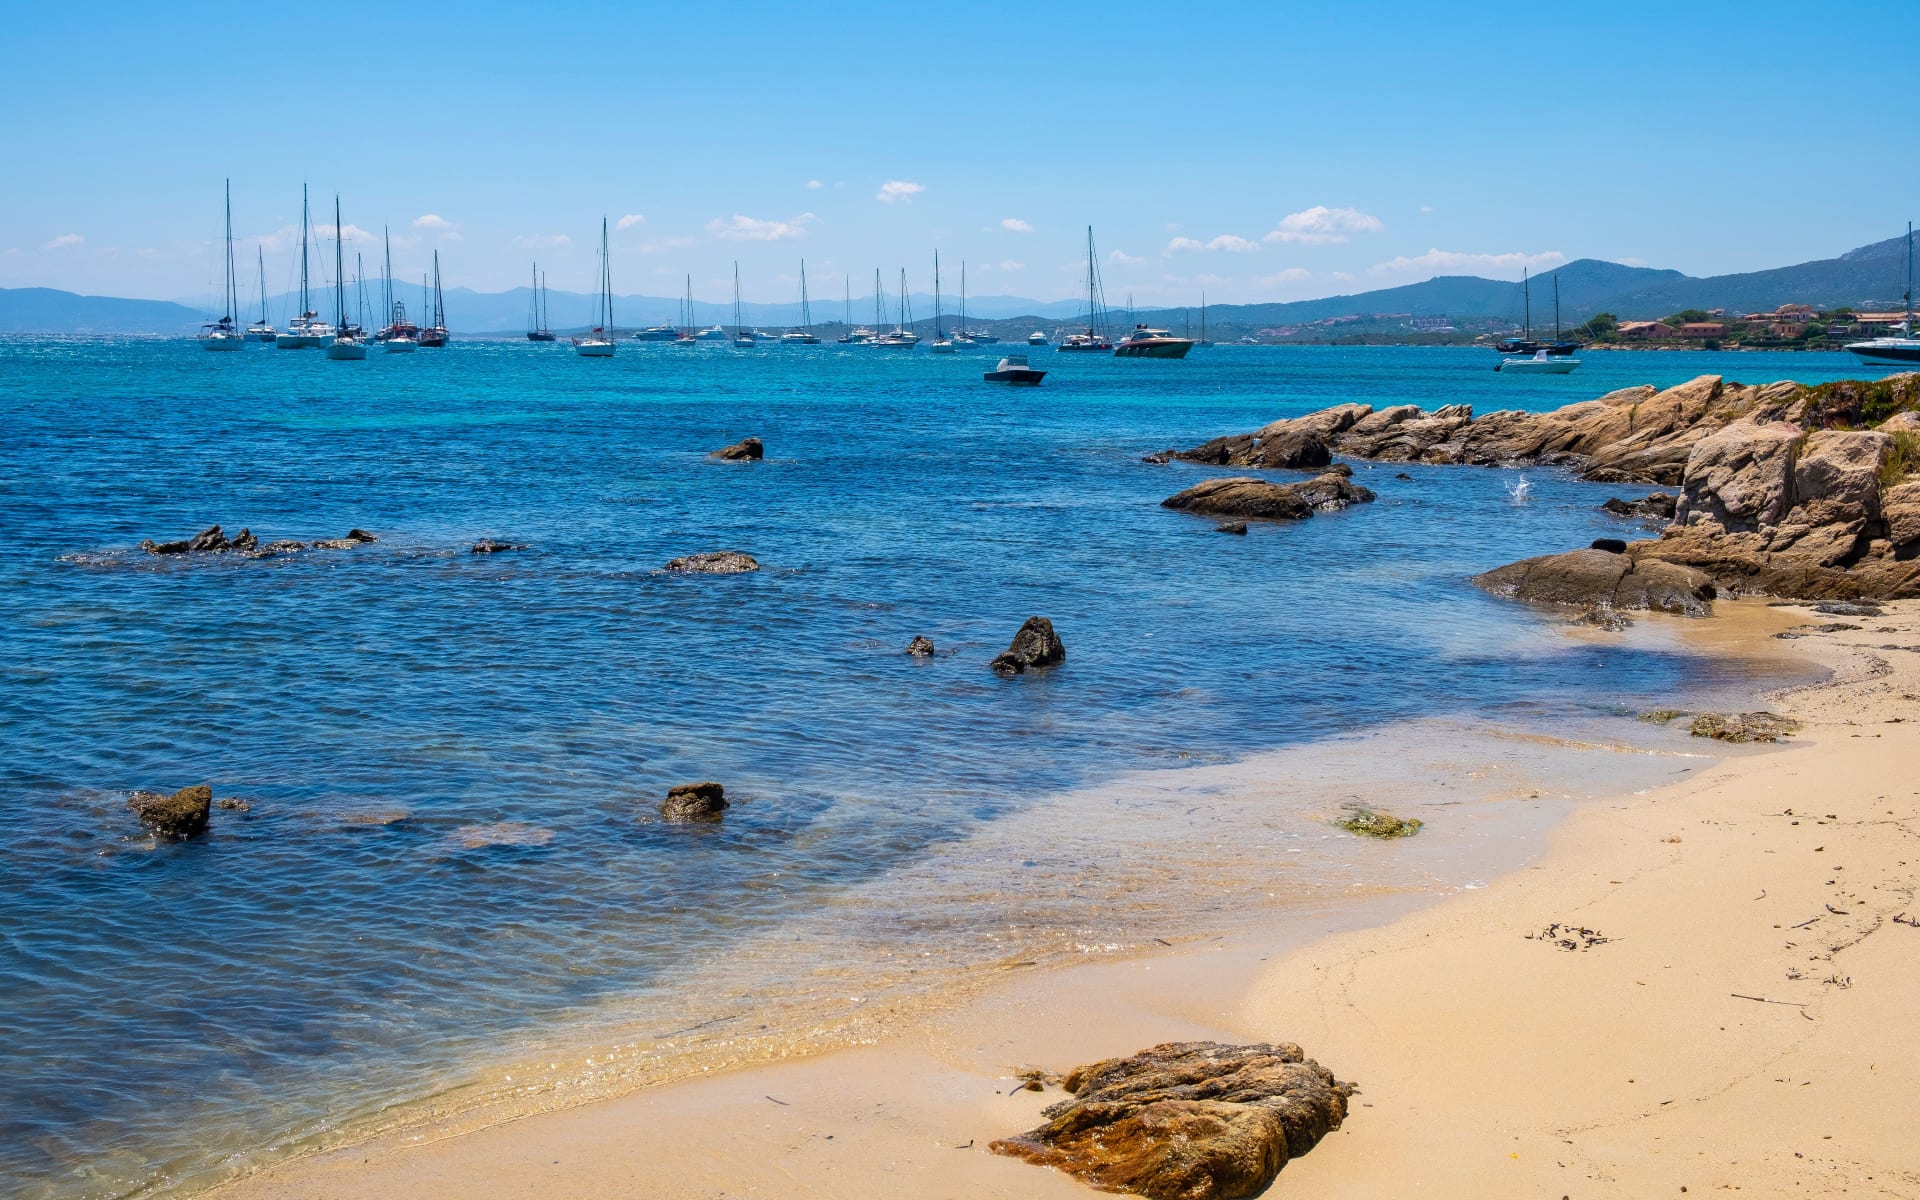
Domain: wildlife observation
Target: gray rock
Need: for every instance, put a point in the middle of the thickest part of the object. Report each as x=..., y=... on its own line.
x=1592, y=577
x=714, y=562
x=694, y=802
x=920, y=646
x=1035, y=646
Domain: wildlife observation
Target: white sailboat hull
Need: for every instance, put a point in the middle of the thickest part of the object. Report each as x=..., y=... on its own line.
x=344, y=351
x=401, y=345
x=223, y=341
x=593, y=349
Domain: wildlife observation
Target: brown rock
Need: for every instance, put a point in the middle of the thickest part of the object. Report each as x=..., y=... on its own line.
x=1242, y=496
x=244, y=541
x=920, y=647
x=360, y=535
x=180, y=815
x=1187, y=1120
x=1239, y=527
x=714, y=562
x=1744, y=727
x=1590, y=577
x=687, y=802
x=1036, y=645
x=744, y=450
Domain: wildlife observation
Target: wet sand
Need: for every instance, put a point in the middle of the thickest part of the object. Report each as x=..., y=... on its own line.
x=1745, y=1025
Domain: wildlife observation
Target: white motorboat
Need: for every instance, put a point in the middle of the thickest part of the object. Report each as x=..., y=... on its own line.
x=1013, y=369
x=599, y=340
x=1540, y=363
x=1036, y=338
x=1903, y=349
x=1148, y=342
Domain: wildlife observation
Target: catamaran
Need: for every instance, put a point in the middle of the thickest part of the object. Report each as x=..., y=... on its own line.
x=306, y=331
x=225, y=334
x=1903, y=349
x=599, y=340
x=802, y=334
x=537, y=330
x=346, y=345
x=261, y=331
x=1094, y=340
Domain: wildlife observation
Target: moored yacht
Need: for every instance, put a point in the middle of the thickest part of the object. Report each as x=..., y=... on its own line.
x=1540, y=362
x=306, y=331
x=599, y=340
x=1902, y=349
x=1094, y=340
x=1036, y=338
x=261, y=330
x=225, y=334
x=347, y=344
x=1148, y=342
x=1013, y=369
x=802, y=334
x=656, y=333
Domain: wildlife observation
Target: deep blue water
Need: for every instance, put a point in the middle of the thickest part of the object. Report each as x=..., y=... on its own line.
x=354, y=930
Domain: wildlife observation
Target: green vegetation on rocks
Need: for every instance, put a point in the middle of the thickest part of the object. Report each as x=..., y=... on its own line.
x=1367, y=822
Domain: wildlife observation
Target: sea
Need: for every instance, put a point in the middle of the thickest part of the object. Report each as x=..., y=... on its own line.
x=449, y=862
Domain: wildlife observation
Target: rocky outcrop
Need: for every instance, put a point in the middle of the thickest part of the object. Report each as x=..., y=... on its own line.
x=1744, y=727
x=703, y=802
x=1036, y=645
x=744, y=450
x=1654, y=506
x=1187, y=1120
x=920, y=647
x=247, y=545
x=714, y=562
x=1371, y=822
x=1599, y=577
x=1234, y=527
x=1244, y=496
x=494, y=546
x=180, y=815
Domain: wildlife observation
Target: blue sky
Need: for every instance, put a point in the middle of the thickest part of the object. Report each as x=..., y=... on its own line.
x=1256, y=151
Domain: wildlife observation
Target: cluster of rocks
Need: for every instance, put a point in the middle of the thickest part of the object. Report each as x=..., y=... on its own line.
x=744, y=450
x=245, y=544
x=1194, y=1120
x=714, y=562
x=1247, y=497
x=1783, y=489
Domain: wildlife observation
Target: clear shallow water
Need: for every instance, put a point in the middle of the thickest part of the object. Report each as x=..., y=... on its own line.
x=452, y=758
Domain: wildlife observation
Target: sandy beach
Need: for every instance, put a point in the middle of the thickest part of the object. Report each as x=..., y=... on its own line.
x=1708, y=986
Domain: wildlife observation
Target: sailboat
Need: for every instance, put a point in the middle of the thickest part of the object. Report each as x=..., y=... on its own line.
x=1203, y=322
x=261, y=331
x=1095, y=338
x=862, y=335
x=225, y=334
x=802, y=334
x=434, y=336
x=1533, y=358
x=599, y=340
x=306, y=331
x=967, y=335
x=537, y=330
x=346, y=345
x=741, y=337
x=399, y=336
x=1902, y=349
x=942, y=344
x=902, y=334
x=687, y=333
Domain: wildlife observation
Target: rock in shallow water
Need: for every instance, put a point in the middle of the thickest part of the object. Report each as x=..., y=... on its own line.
x=920, y=647
x=1036, y=645
x=714, y=562
x=1187, y=1120
x=1243, y=496
x=1595, y=577
x=492, y=546
x=1744, y=727
x=1369, y=822
x=744, y=450
x=180, y=815
x=703, y=802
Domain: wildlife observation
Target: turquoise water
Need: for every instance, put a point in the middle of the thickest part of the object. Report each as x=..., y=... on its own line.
x=451, y=758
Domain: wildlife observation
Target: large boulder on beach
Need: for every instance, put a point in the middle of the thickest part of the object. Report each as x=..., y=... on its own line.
x=181, y=814
x=744, y=450
x=1590, y=577
x=1036, y=645
x=1187, y=1120
x=703, y=802
x=714, y=562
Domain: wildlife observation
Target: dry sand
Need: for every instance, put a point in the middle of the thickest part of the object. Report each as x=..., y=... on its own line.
x=1750, y=1022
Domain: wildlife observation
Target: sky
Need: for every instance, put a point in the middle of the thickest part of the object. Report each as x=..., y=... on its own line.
x=1252, y=152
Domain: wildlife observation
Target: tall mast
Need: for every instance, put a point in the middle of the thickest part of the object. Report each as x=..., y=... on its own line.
x=879, y=317
x=306, y=222
x=533, y=301
x=737, y=327
x=262, y=254
x=339, y=270
x=806, y=309
x=847, y=282
x=233, y=299
x=1526, y=293
x=1556, y=306
x=606, y=274
x=543, y=303
x=963, y=295
x=439, y=305
x=938, y=333
x=386, y=291
x=360, y=292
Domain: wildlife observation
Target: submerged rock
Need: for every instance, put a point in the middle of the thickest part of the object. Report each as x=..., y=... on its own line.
x=1036, y=645
x=491, y=546
x=920, y=646
x=271, y=549
x=1369, y=822
x=1603, y=616
x=1593, y=577
x=1159, y=458
x=360, y=535
x=714, y=562
x=180, y=815
x=1187, y=1120
x=1239, y=527
x=703, y=802
x=1744, y=727
x=744, y=450
x=1244, y=496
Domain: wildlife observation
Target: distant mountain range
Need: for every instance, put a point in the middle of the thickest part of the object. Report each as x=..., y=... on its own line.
x=1869, y=275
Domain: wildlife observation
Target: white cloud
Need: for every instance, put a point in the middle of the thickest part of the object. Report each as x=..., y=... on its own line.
x=1122, y=258
x=1281, y=278
x=1232, y=244
x=1456, y=262
x=740, y=228
x=1179, y=244
x=1016, y=224
x=65, y=241
x=1320, y=225
x=814, y=185
x=435, y=222
x=542, y=241
x=1012, y=264
x=898, y=190
x=657, y=244
x=629, y=221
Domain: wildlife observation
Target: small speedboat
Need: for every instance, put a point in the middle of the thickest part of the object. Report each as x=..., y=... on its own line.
x=1543, y=362
x=1013, y=369
x=1036, y=338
